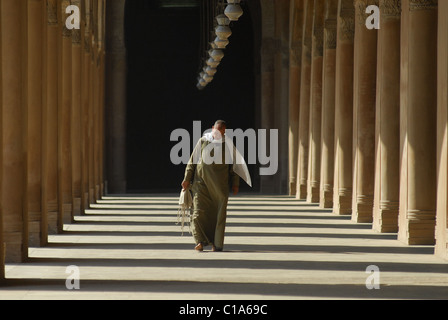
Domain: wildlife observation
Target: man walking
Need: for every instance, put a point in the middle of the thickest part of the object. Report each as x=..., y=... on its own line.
x=210, y=187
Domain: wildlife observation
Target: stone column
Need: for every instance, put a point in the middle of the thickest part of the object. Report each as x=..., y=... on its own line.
x=102, y=98
x=328, y=105
x=364, y=99
x=50, y=124
x=12, y=117
x=343, y=178
x=2, y=244
x=33, y=119
x=96, y=99
x=95, y=107
x=76, y=117
x=267, y=102
x=441, y=249
x=64, y=128
x=92, y=198
x=418, y=122
x=99, y=92
x=316, y=103
x=281, y=87
x=85, y=94
x=268, y=48
x=296, y=33
x=387, y=168
x=305, y=93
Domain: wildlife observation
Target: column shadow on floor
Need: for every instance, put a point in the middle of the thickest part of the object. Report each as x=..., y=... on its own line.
x=318, y=291
x=217, y=260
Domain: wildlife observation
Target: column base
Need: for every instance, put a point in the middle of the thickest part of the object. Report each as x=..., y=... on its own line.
x=76, y=207
x=85, y=203
x=292, y=188
x=387, y=221
x=301, y=192
x=34, y=238
x=102, y=190
x=13, y=248
x=343, y=202
x=313, y=194
x=418, y=231
x=363, y=209
x=326, y=197
x=385, y=217
x=120, y=187
x=52, y=217
x=92, y=199
x=52, y=222
x=34, y=229
x=66, y=216
x=441, y=249
x=97, y=192
x=362, y=214
x=2, y=263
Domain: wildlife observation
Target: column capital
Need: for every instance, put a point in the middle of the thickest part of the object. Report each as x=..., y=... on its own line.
x=308, y=40
x=365, y=3
x=318, y=34
x=76, y=33
x=360, y=8
x=269, y=46
x=330, y=31
x=347, y=27
x=52, y=13
x=346, y=20
x=423, y=4
x=390, y=8
x=66, y=33
x=87, y=40
x=330, y=38
x=285, y=55
x=295, y=53
x=76, y=36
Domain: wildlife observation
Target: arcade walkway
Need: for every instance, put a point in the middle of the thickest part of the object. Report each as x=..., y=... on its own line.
x=130, y=248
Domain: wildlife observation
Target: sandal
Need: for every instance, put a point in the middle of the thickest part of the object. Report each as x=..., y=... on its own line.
x=199, y=247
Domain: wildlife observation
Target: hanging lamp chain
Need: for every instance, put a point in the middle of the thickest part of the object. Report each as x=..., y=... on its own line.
x=209, y=10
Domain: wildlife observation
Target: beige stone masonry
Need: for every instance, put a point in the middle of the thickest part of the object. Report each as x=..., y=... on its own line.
x=364, y=99
x=418, y=113
x=343, y=178
x=387, y=132
x=328, y=105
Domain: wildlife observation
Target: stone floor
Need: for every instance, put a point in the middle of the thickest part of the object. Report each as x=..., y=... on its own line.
x=276, y=248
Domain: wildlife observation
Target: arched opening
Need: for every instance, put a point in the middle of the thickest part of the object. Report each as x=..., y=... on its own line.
x=163, y=60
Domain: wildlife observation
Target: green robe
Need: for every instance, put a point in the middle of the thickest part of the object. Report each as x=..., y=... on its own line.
x=210, y=196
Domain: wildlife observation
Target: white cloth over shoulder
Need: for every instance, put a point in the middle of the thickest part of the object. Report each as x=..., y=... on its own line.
x=239, y=164
x=236, y=159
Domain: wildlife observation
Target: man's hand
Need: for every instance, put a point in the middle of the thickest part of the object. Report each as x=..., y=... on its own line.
x=235, y=190
x=185, y=185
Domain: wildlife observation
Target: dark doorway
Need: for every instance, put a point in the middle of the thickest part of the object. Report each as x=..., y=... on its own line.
x=163, y=46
